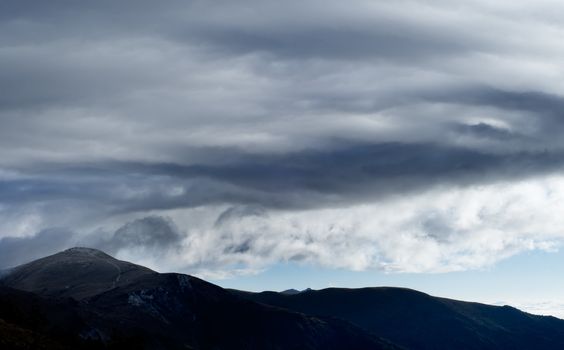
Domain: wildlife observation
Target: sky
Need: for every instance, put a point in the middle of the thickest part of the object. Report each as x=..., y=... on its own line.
x=291, y=144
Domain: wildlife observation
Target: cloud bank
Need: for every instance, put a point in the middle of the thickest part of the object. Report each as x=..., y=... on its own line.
x=220, y=138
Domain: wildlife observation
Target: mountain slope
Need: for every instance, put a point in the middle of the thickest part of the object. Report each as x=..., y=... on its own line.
x=419, y=321
x=29, y=321
x=106, y=303
x=77, y=272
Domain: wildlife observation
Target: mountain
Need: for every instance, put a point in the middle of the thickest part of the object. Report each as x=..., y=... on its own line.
x=77, y=273
x=293, y=291
x=29, y=321
x=84, y=298
x=290, y=291
x=416, y=320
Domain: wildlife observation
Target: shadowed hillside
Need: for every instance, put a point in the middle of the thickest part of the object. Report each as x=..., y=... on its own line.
x=83, y=296
x=419, y=321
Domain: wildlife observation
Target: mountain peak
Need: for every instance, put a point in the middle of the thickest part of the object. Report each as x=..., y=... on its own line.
x=294, y=291
x=77, y=272
x=85, y=251
x=291, y=291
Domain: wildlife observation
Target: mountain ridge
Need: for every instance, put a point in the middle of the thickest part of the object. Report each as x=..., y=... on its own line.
x=150, y=310
x=90, y=270
x=85, y=298
x=417, y=320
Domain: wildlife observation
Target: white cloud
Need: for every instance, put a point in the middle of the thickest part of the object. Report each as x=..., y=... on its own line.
x=453, y=229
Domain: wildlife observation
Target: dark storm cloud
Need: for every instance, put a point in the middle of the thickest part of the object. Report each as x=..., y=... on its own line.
x=485, y=130
x=293, y=30
x=350, y=174
x=538, y=103
x=111, y=110
x=363, y=167
x=59, y=51
x=62, y=61
x=382, y=39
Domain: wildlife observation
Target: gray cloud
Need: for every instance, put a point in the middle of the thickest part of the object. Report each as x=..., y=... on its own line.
x=351, y=174
x=153, y=235
x=238, y=212
x=112, y=112
x=18, y=250
x=484, y=130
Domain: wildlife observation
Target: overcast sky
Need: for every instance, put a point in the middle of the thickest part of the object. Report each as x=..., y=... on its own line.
x=229, y=138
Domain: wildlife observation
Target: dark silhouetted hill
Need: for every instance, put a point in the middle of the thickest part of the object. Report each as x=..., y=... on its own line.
x=416, y=320
x=84, y=298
